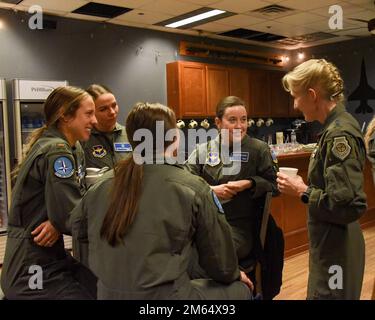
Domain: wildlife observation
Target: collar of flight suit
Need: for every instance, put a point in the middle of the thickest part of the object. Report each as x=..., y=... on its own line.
x=118, y=128
x=53, y=131
x=334, y=113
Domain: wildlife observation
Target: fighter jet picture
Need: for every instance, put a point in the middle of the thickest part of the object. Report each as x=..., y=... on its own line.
x=363, y=92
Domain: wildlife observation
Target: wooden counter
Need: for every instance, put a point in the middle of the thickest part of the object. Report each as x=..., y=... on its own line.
x=291, y=214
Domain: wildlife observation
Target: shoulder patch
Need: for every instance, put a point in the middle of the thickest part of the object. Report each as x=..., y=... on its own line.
x=341, y=148
x=213, y=159
x=217, y=202
x=274, y=157
x=63, y=167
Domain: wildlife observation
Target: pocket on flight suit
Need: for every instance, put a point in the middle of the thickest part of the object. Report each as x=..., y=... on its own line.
x=339, y=188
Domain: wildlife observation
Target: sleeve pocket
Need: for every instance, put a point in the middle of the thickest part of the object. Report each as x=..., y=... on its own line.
x=339, y=188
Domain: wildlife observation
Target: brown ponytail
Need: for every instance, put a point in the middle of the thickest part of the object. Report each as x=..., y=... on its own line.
x=127, y=185
x=126, y=191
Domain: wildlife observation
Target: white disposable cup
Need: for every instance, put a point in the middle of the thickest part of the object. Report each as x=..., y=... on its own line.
x=292, y=172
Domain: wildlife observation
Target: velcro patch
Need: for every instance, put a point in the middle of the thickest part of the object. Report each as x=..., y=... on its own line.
x=63, y=167
x=98, y=151
x=239, y=156
x=122, y=147
x=213, y=159
x=341, y=148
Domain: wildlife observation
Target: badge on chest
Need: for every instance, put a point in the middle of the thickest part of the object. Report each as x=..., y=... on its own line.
x=98, y=151
x=239, y=156
x=122, y=147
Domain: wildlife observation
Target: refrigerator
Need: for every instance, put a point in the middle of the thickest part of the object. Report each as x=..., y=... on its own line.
x=28, y=99
x=5, y=183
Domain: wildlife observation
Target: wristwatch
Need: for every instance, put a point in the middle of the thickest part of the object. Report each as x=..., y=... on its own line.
x=305, y=196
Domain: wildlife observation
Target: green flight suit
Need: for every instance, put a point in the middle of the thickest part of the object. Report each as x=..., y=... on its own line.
x=49, y=184
x=256, y=164
x=337, y=200
x=371, y=155
x=106, y=149
x=175, y=207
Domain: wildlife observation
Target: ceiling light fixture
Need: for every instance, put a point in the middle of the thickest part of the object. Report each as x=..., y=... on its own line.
x=301, y=56
x=195, y=18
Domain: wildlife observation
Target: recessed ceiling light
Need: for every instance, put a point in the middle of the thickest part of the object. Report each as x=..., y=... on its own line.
x=193, y=19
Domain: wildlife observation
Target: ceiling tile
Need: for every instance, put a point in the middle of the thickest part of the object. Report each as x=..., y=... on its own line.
x=85, y=17
x=365, y=15
x=240, y=6
x=125, y=3
x=213, y=27
x=307, y=5
x=347, y=8
x=322, y=25
x=66, y=5
x=300, y=18
x=240, y=20
x=355, y=32
x=143, y=16
x=7, y=5
x=201, y=2
x=282, y=29
x=171, y=7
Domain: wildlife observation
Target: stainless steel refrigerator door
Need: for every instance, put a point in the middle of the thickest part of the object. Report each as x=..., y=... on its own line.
x=5, y=183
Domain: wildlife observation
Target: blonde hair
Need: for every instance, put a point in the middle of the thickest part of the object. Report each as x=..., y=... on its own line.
x=316, y=73
x=369, y=132
x=61, y=101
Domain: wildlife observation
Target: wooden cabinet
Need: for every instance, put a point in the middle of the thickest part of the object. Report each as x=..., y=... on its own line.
x=259, y=95
x=194, y=89
x=279, y=98
x=186, y=93
x=239, y=85
x=217, y=87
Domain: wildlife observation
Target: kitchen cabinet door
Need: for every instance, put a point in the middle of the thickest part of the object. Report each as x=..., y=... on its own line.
x=279, y=98
x=217, y=87
x=186, y=88
x=239, y=85
x=259, y=93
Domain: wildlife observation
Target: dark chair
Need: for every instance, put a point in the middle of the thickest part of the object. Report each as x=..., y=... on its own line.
x=252, y=264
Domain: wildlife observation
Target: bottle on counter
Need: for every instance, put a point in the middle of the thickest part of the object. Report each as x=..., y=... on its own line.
x=293, y=137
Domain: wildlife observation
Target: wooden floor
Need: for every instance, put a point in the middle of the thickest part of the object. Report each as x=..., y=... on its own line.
x=296, y=271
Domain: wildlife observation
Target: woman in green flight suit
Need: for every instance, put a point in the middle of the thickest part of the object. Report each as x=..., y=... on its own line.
x=240, y=177
x=370, y=145
x=50, y=182
x=334, y=191
x=141, y=219
x=108, y=142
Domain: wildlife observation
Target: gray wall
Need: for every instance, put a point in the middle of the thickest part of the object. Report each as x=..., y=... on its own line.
x=347, y=56
x=85, y=52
